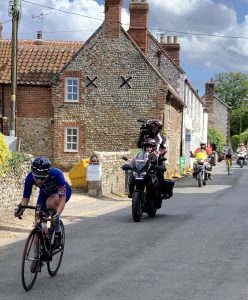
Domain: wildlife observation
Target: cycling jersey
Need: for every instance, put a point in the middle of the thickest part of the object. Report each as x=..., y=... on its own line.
x=55, y=184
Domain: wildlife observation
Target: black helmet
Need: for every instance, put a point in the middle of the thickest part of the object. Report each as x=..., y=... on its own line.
x=41, y=166
x=157, y=123
x=151, y=142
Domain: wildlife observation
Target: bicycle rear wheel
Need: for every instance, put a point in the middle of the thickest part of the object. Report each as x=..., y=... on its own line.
x=54, y=263
x=228, y=167
x=28, y=277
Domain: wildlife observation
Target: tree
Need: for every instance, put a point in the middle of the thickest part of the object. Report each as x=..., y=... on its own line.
x=216, y=139
x=232, y=88
x=238, y=118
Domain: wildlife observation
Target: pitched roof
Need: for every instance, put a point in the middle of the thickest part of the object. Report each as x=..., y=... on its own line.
x=36, y=64
x=218, y=99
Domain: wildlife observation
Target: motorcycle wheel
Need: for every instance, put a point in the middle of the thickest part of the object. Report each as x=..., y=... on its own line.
x=199, y=177
x=152, y=212
x=241, y=163
x=136, y=207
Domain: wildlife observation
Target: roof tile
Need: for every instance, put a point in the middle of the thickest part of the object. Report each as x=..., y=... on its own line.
x=36, y=64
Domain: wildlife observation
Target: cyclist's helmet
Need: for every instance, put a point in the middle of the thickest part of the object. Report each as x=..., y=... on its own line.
x=150, y=142
x=41, y=167
x=203, y=142
x=241, y=144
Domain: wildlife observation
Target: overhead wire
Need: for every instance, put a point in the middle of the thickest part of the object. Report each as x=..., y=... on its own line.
x=150, y=28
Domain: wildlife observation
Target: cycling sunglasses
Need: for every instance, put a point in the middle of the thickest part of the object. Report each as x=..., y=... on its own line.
x=40, y=177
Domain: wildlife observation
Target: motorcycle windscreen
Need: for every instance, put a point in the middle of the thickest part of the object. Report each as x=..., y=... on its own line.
x=140, y=161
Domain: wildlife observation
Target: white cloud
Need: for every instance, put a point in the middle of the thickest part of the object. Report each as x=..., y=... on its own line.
x=196, y=16
x=204, y=16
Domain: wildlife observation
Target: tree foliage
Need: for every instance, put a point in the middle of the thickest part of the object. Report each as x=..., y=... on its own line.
x=232, y=88
x=235, y=141
x=216, y=139
x=239, y=120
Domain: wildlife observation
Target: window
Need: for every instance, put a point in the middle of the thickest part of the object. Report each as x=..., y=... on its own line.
x=71, y=139
x=72, y=89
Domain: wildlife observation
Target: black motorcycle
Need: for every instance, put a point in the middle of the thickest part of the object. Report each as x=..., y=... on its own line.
x=147, y=195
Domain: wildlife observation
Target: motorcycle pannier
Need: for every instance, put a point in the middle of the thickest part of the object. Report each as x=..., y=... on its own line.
x=169, y=185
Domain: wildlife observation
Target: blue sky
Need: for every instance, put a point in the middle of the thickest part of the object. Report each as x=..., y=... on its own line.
x=201, y=56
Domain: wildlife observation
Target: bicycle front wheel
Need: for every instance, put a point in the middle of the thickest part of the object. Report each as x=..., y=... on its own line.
x=56, y=257
x=30, y=263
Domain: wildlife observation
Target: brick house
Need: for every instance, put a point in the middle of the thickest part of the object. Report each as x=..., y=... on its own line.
x=88, y=97
x=218, y=111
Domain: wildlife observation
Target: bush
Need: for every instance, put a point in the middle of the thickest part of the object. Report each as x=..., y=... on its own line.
x=17, y=160
x=5, y=154
x=216, y=139
x=244, y=137
x=235, y=142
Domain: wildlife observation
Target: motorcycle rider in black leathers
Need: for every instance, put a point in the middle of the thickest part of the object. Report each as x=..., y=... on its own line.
x=150, y=130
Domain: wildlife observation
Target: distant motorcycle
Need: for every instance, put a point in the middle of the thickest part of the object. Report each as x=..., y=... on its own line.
x=201, y=173
x=146, y=196
x=242, y=158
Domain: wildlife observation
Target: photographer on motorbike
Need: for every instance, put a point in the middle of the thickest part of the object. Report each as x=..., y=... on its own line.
x=206, y=151
x=152, y=129
x=149, y=146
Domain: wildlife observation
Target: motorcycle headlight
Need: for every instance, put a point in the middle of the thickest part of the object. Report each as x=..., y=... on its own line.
x=139, y=175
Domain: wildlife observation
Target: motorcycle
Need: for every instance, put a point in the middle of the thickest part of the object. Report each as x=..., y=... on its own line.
x=146, y=197
x=242, y=160
x=201, y=172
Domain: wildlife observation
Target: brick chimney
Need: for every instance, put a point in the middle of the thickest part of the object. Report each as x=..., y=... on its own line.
x=39, y=40
x=209, y=91
x=1, y=31
x=209, y=101
x=139, y=22
x=112, y=22
x=173, y=49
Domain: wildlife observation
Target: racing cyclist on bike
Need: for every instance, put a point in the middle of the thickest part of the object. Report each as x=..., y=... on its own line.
x=54, y=191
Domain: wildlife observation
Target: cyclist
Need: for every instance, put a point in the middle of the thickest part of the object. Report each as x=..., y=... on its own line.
x=54, y=191
x=228, y=155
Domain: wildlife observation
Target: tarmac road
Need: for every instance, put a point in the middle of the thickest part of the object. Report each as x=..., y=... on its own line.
x=196, y=248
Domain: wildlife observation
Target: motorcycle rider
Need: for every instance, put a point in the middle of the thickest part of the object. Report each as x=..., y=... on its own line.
x=152, y=129
x=203, y=148
x=149, y=146
x=241, y=148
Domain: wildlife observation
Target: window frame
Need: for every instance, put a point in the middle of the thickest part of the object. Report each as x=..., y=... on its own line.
x=71, y=143
x=66, y=89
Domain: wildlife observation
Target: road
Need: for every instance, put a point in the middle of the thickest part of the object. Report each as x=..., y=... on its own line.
x=196, y=248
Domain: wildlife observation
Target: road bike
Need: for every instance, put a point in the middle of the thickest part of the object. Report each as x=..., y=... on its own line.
x=228, y=165
x=39, y=248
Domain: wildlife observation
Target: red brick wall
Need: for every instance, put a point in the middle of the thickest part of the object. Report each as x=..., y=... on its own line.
x=34, y=102
x=112, y=18
x=138, y=24
x=31, y=102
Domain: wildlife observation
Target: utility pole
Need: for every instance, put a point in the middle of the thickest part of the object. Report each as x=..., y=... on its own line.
x=14, y=10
